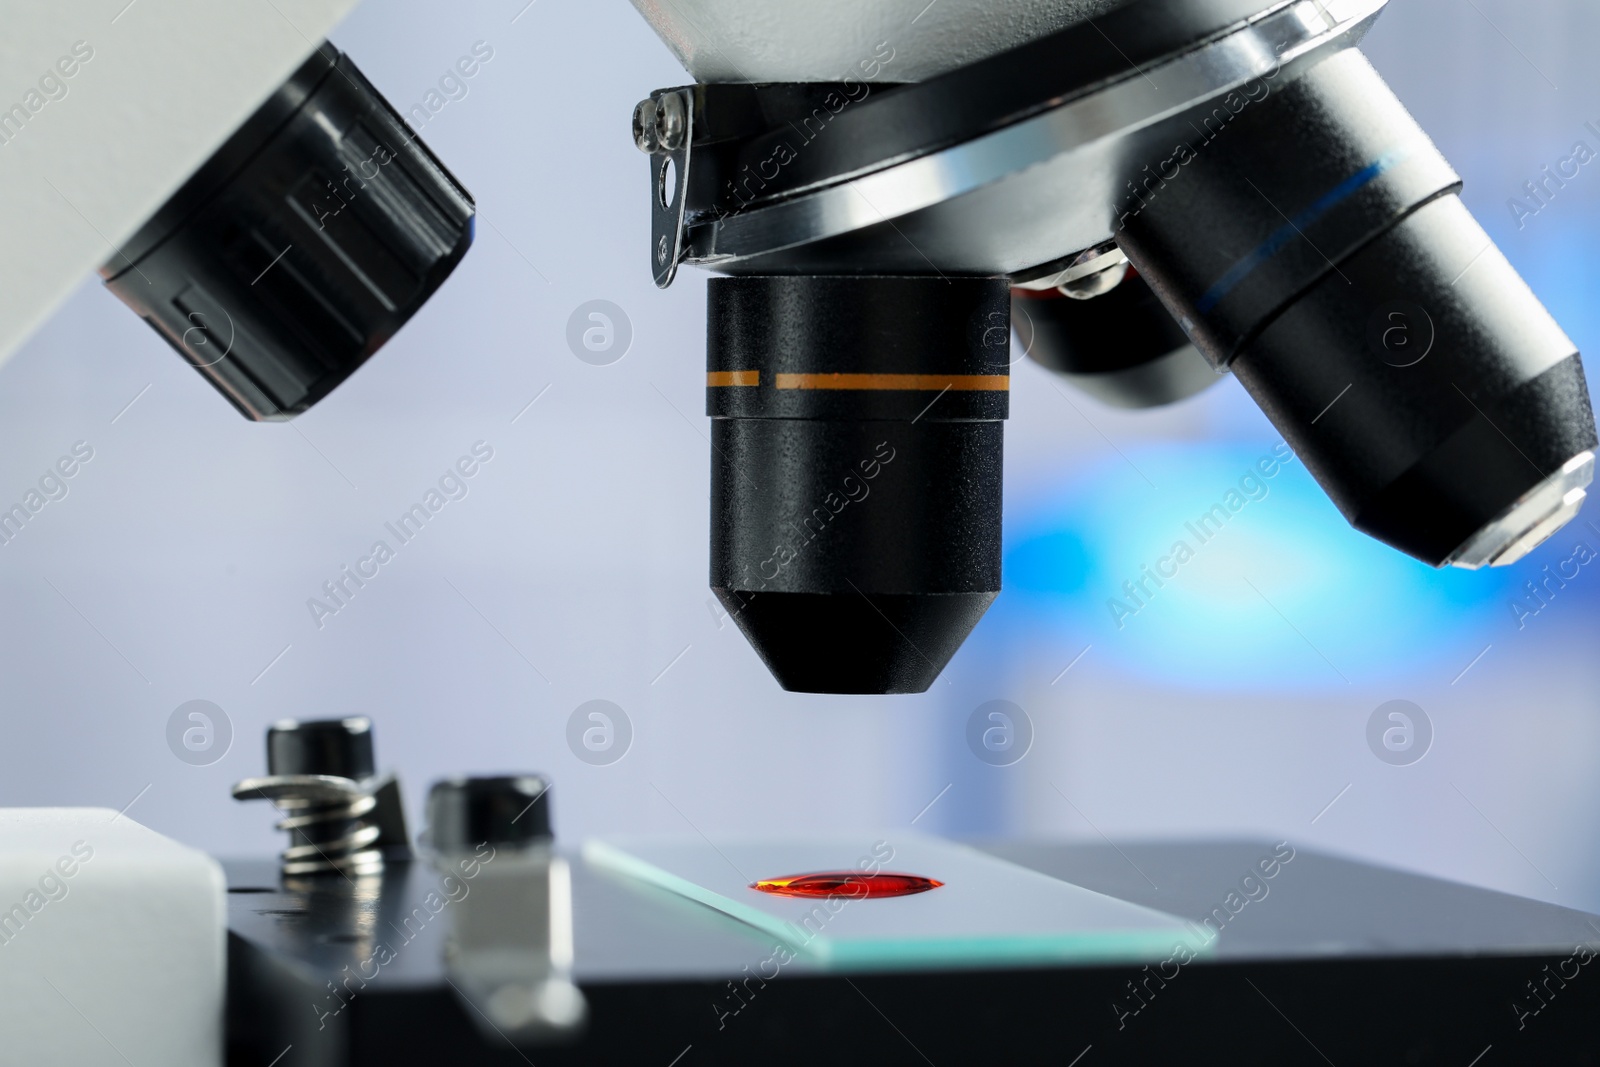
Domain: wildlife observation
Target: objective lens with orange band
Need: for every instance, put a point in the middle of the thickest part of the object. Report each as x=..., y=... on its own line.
x=857, y=428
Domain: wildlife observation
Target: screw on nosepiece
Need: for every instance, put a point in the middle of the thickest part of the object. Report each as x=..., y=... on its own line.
x=1097, y=284
x=644, y=126
x=671, y=121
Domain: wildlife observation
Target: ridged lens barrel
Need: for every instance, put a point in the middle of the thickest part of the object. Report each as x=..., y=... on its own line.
x=306, y=241
x=1312, y=241
x=856, y=466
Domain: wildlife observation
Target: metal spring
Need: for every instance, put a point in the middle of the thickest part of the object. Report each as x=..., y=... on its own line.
x=330, y=837
x=325, y=818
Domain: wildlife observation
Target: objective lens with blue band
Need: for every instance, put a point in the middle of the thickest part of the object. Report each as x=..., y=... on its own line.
x=1440, y=407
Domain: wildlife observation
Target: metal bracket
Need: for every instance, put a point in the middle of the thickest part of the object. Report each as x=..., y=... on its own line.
x=1082, y=275
x=663, y=127
x=510, y=946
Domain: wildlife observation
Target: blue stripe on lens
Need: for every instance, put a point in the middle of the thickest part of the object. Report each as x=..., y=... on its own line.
x=1291, y=229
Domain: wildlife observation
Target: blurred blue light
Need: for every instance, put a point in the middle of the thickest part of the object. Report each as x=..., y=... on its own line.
x=1274, y=590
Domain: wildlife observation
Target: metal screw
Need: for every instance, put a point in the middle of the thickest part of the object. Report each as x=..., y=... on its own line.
x=1093, y=272
x=1093, y=285
x=644, y=126
x=1086, y=274
x=671, y=120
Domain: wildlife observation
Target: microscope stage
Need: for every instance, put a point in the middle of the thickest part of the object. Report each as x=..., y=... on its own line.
x=1314, y=956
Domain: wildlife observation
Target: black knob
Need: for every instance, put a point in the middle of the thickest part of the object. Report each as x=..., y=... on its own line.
x=306, y=242
x=465, y=812
x=341, y=747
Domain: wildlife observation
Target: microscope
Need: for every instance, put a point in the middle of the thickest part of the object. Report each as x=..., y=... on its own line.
x=1154, y=194
x=1150, y=193
x=894, y=199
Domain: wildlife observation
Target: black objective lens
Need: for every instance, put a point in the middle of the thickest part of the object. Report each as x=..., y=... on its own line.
x=1316, y=246
x=1121, y=347
x=856, y=462
x=306, y=242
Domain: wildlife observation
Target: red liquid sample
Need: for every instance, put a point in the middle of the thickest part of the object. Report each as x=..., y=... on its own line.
x=853, y=885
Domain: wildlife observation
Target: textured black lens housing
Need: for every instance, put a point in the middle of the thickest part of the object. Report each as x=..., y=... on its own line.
x=306, y=242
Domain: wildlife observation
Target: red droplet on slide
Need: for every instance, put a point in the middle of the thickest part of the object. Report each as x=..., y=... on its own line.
x=852, y=885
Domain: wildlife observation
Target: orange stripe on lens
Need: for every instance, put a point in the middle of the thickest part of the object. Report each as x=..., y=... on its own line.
x=718, y=378
x=889, y=382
